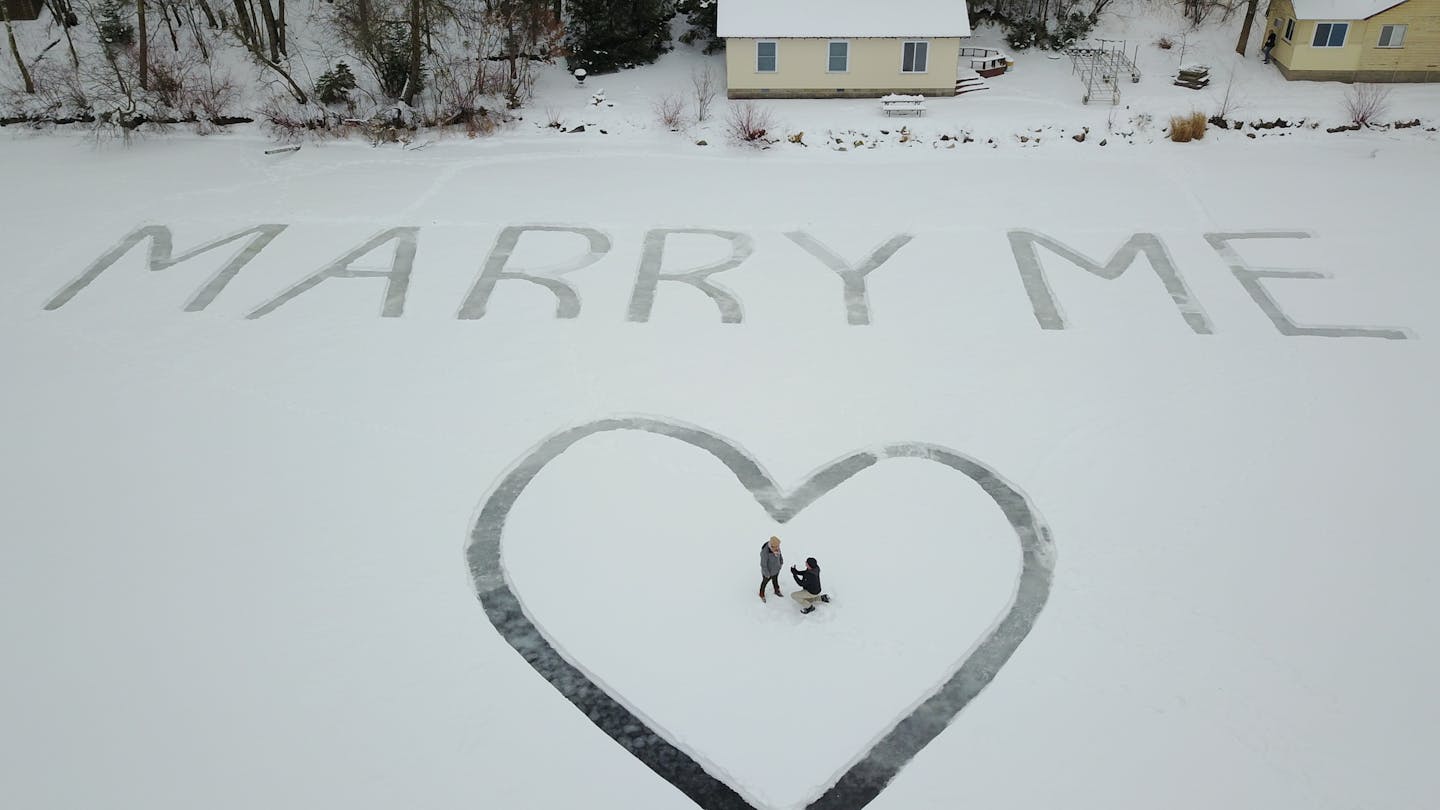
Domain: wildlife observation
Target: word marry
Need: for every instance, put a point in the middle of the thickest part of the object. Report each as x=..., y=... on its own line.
x=1024, y=244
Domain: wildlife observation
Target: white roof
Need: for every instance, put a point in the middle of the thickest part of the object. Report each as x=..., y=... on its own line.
x=1339, y=10
x=843, y=18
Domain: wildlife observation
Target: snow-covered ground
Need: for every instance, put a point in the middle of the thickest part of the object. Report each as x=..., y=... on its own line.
x=1039, y=100
x=234, y=568
x=248, y=500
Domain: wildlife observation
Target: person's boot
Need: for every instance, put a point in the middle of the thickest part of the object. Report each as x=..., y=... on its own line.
x=778, y=593
x=825, y=597
x=762, y=594
x=810, y=609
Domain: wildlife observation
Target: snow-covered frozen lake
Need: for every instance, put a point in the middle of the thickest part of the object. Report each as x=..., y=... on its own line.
x=238, y=492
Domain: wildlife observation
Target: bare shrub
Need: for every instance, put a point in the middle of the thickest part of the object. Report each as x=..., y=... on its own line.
x=288, y=120
x=169, y=75
x=1232, y=101
x=1197, y=11
x=1164, y=43
x=457, y=88
x=1366, y=103
x=1186, y=128
x=749, y=124
x=215, y=94
x=670, y=111
x=706, y=86
x=553, y=118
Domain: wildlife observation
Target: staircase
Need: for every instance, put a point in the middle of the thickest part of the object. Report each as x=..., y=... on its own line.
x=968, y=81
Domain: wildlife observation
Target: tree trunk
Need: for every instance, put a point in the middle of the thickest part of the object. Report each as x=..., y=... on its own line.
x=20, y=63
x=280, y=27
x=412, y=83
x=61, y=11
x=209, y=14
x=166, y=11
x=199, y=35
x=295, y=89
x=242, y=19
x=1250, y=8
x=253, y=20
x=272, y=30
x=144, y=36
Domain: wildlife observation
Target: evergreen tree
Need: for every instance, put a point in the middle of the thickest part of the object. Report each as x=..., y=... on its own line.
x=701, y=16
x=603, y=36
x=334, y=86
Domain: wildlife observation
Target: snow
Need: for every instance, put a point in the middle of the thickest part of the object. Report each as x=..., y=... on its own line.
x=843, y=18
x=233, y=568
x=234, y=547
x=1341, y=9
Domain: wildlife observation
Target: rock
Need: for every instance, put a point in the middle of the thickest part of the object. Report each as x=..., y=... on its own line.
x=1078, y=137
x=1104, y=141
x=702, y=143
x=580, y=128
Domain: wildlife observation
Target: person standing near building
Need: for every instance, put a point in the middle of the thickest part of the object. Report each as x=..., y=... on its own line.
x=772, y=562
x=1269, y=46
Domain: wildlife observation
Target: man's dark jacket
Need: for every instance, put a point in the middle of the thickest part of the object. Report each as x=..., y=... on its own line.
x=808, y=579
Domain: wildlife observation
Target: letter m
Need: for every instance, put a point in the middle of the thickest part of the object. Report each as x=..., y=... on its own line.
x=1025, y=245
x=161, y=257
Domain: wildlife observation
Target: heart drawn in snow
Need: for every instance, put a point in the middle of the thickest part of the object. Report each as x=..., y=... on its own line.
x=877, y=766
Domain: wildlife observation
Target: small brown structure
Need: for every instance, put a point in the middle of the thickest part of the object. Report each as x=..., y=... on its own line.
x=23, y=9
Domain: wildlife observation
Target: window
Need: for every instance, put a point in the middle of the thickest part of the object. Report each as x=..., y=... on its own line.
x=916, y=58
x=839, y=61
x=766, y=56
x=1289, y=30
x=1392, y=36
x=1330, y=35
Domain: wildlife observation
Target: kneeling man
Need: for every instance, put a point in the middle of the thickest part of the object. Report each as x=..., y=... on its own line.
x=809, y=582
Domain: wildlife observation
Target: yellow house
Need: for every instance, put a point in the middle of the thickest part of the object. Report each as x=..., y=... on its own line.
x=1356, y=40
x=846, y=48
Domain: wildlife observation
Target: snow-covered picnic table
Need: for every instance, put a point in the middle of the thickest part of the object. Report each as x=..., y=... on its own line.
x=897, y=104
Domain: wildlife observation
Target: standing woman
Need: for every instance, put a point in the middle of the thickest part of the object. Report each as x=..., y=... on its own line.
x=771, y=564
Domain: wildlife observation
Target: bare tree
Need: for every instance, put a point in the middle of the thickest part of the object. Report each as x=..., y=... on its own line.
x=527, y=31
x=143, y=37
x=63, y=13
x=15, y=51
x=1231, y=101
x=248, y=31
x=272, y=29
x=1251, y=6
x=412, y=82
x=705, y=85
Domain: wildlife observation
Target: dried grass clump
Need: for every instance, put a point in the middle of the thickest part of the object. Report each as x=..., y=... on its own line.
x=1186, y=128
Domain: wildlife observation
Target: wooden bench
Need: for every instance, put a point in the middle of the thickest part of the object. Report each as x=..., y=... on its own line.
x=895, y=104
